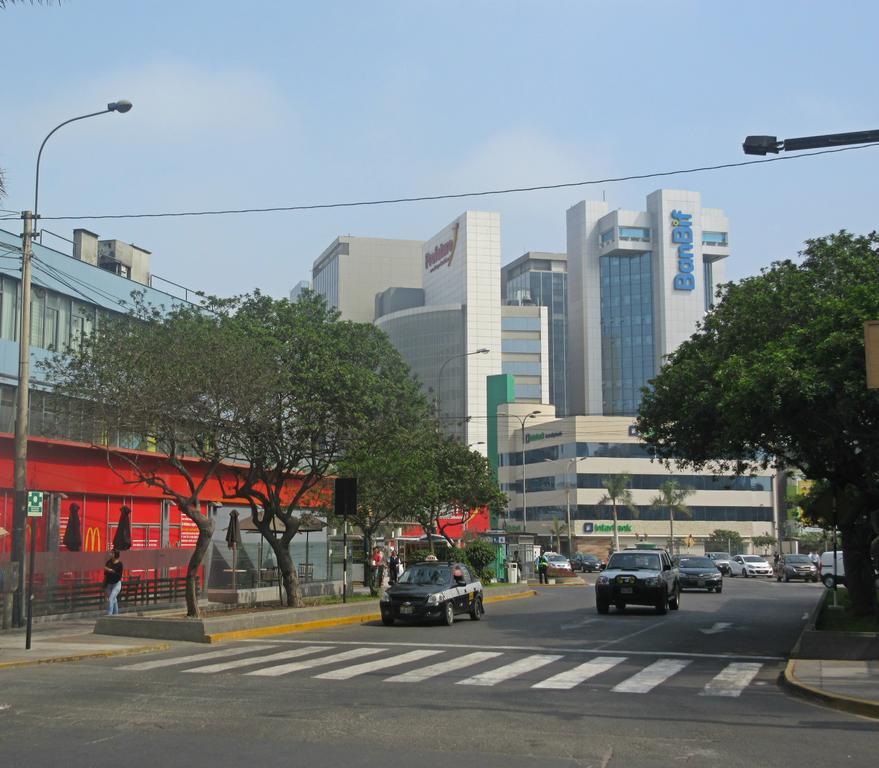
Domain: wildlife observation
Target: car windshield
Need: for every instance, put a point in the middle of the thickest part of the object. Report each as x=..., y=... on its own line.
x=590, y=558
x=629, y=561
x=697, y=562
x=753, y=559
x=719, y=555
x=797, y=559
x=425, y=574
x=557, y=558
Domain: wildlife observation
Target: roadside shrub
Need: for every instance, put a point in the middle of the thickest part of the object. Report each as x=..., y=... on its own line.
x=480, y=554
x=487, y=574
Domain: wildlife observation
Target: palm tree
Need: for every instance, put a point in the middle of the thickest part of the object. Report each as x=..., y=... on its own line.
x=617, y=487
x=557, y=529
x=671, y=497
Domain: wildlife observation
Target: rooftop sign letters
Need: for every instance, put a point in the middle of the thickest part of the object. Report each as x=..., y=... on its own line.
x=530, y=438
x=682, y=236
x=443, y=253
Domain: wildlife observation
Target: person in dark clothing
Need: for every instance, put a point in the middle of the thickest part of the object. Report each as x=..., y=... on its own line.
x=393, y=567
x=113, y=582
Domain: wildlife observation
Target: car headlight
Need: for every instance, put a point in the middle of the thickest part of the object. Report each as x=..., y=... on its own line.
x=813, y=568
x=651, y=581
x=434, y=599
x=385, y=598
x=603, y=580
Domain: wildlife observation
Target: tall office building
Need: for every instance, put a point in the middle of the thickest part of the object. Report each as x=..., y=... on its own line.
x=638, y=284
x=352, y=270
x=440, y=334
x=541, y=279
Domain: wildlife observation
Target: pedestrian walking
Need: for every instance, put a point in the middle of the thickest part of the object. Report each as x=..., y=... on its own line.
x=113, y=582
x=377, y=567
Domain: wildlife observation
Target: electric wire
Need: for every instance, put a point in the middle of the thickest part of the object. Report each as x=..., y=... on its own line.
x=97, y=296
x=456, y=195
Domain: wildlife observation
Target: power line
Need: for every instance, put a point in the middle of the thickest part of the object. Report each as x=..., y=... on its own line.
x=458, y=195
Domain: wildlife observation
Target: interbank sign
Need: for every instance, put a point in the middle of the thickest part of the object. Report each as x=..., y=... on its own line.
x=606, y=528
x=541, y=436
x=443, y=253
x=682, y=236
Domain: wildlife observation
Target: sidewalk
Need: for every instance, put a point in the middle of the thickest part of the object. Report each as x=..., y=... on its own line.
x=850, y=686
x=67, y=641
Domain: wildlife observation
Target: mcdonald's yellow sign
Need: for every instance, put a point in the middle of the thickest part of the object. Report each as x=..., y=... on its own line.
x=92, y=541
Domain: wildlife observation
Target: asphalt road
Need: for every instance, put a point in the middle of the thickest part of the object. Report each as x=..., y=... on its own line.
x=541, y=679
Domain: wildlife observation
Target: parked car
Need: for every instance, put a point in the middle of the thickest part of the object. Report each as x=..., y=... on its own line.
x=721, y=559
x=586, y=562
x=749, y=565
x=558, y=565
x=639, y=577
x=699, y=573
x=796, y=567
x=828, y=574
x=433, y=590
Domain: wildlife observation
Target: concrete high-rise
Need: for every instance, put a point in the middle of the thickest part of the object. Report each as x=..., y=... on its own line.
x=638, y=282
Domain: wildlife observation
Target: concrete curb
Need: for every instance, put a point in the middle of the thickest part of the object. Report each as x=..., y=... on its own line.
x=838, y=701
x=86, y=655
x=307, y=626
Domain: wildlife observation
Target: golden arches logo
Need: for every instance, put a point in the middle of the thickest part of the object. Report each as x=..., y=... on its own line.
x=92, y=541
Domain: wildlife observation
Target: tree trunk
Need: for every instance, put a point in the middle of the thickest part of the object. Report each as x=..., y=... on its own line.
x=281, y=548
x=616, y=535
x=205, y=532
x=858, y=564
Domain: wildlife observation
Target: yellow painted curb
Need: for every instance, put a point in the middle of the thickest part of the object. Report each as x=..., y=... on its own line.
x=283, y=629
x=81, y=656
x=840, y=701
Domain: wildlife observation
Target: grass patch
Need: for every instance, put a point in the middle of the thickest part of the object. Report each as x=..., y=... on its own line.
x=841, y=619
x=334, y=599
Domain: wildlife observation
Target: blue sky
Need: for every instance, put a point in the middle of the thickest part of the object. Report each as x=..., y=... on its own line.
x=254, y=104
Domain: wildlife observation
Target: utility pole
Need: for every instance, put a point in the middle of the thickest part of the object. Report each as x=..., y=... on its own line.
x=22, y=404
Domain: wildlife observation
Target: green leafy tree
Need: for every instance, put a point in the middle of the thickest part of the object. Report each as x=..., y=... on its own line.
x=556, y=529
x=776, y=375
x=671, y=498
x=163, y=380
x=764, y=541
x=326, y=385
x=722, y=540
x=617, y=493
x=480, y=554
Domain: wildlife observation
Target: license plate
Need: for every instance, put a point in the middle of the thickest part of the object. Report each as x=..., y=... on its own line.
x=406, y=609
x=626, y=590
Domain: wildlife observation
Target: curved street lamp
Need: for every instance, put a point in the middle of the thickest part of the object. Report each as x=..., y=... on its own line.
x=439, y=376
x=22, y=400
x=522, y=420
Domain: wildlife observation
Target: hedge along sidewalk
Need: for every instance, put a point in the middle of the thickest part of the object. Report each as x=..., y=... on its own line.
x=215, y=629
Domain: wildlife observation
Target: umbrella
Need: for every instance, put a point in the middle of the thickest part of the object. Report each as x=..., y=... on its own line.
x=122, y=538
x=73, y=534
x=233, y=539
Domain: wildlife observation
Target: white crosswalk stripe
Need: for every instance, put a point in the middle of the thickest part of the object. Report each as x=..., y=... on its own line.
x=296, y=666
x=732, y=680
x=649, y=677
x=452, y=665
x=346, y=673
x=249, y=662
x=195, y=657
x=575, y=676
x=516, y=668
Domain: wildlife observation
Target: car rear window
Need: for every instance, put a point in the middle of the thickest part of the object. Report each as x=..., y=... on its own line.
x=632, y=561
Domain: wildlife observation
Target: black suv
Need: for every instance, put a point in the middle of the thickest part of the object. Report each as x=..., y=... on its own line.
x=638, y=577
x=433, y=590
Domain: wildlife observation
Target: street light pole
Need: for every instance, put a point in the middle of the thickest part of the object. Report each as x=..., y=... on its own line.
x=439, y=376
x=522, y=420
x=761, y=145
x=571, y=462
x=22, y=396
